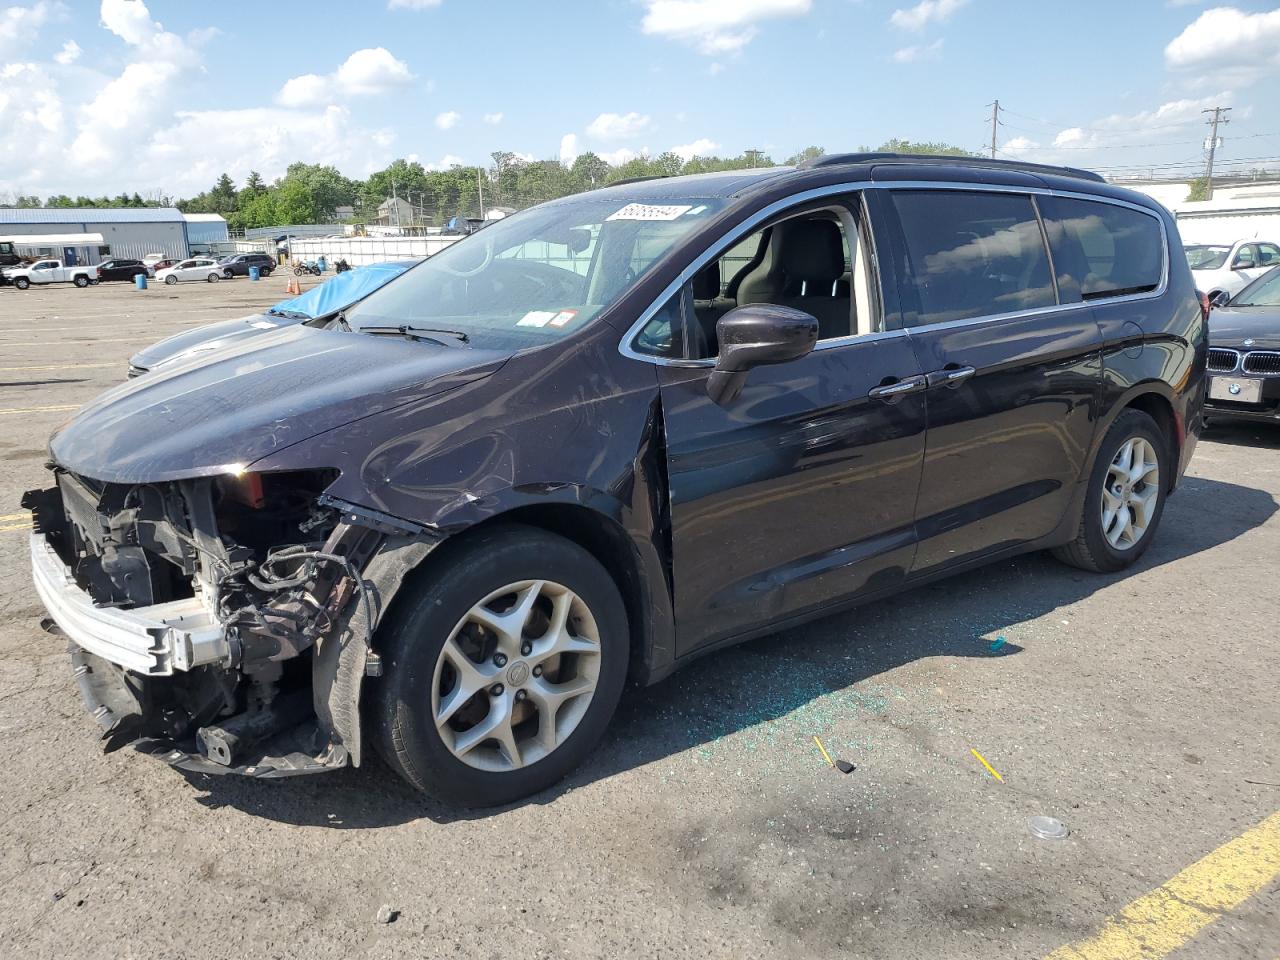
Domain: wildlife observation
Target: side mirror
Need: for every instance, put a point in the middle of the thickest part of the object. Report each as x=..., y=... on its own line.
x=754, y=336
x=1219, y=299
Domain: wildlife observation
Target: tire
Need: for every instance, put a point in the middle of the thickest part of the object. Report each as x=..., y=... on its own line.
x=22, y=283
x=170, y=280
x=433, y=607
x=227, y=274
x=1102, y=546
x=297, y=271
x=213, y=278
x=81, y=281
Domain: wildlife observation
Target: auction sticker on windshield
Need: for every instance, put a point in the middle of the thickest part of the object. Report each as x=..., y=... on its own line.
x=536, y=318
x=645, y=211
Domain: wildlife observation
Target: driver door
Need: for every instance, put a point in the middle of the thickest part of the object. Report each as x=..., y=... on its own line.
x=800, y=492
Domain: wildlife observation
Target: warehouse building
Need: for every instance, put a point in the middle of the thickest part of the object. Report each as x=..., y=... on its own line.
x=206, y=228
x=90, y=235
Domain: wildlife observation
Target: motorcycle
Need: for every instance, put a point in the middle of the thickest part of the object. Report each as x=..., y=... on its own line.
x=306, y=266
x=341, y=266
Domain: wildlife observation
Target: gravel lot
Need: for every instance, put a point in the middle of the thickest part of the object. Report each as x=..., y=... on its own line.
x=1136, y=708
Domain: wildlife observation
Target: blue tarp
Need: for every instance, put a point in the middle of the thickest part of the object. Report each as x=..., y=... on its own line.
x=343, y=289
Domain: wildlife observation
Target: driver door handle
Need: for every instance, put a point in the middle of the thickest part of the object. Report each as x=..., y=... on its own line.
x=892, y=391
x=950, y=376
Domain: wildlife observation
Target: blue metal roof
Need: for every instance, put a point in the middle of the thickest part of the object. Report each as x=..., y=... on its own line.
x=91, y=215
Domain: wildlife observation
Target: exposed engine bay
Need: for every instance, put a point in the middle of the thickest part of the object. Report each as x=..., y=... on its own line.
x=213, y=619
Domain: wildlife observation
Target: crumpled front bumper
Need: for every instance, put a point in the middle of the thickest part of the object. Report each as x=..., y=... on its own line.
x=152, y=641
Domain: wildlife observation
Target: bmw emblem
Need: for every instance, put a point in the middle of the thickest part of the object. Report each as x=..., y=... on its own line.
x=1247, y=343
x=1234, y=389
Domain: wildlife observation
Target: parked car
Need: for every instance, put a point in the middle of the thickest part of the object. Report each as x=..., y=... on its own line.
x=163, y=264
x=50, y=271
x=323, y=300
x=197, y=268
x=238, y=264
x=1244, y=353
x=1226, y=269
x=121, y=269
x=448, y=523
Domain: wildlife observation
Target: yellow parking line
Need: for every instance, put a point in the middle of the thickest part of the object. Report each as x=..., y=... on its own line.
x=57, y=366
x=17, y=528
x=51, y=407
x=1162, y=921
x=25, y=514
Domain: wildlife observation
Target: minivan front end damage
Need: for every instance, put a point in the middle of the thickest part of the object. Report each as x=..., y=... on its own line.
x=222, y=623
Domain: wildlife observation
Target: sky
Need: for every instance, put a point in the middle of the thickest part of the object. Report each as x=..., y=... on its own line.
x=162, y=96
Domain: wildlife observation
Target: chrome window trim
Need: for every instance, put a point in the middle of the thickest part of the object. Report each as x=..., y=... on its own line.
x=817, y=193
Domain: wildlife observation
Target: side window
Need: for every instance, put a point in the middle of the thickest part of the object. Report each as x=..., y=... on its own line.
x=663, y=335
x=1104, y=249
x=1268, y=255
x=1246, y=258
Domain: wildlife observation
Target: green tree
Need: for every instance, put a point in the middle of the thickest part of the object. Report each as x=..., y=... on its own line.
x=296, y=202
x=589, y=171
x=254, y=183
x=935, y=147
x=1198, y=189
x=808, y=153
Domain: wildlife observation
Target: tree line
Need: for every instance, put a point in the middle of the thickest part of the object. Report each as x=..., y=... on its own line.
x=319, y=193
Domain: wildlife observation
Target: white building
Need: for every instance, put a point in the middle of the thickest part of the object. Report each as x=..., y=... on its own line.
x=205, y=228
x=90, y=235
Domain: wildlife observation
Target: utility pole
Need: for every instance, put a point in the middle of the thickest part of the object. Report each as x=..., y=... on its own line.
x=395, y=203
x=480, y=187
x=1219, y=117
x=752, y=156
x=995, y=123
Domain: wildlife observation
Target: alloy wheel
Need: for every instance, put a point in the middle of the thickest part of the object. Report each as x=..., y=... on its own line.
x=516, y=676
x=1130, y=493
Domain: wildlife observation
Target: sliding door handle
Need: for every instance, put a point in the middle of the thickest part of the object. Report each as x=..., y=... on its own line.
x=898, y=389
x=950, y=376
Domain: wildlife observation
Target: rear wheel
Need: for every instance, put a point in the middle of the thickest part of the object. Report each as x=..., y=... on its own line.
x=227, y=274
x=1125, y=499
x=81, y=281
x=214, y=278
x=502, y=667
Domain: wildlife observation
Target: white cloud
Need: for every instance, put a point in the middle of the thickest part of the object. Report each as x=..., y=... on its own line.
x=924, y=13
x=372, y=70
x=716, y=26
x=924, y=51
x=699, y=148
x=618, y=157
x=446, y=162
x=412, y=4
x=448, y=120
x=31, y=109
x=1245, y=45
x=309, y=89
x=1018, y=145
x=130, y=20
x=20, y=25
x=367, y=72
x=618, y=126
x=69, y=53
x=493, y=119
x=569, y=148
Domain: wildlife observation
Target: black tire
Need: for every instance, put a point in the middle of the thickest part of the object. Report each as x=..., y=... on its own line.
x=228, y=274
x=170, y=280
x=22, y=283
x=81, y=281
x=430, y=604
x=213, y=278
x=1090, y=550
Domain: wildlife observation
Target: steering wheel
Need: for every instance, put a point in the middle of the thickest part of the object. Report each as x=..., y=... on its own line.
x=488, y=259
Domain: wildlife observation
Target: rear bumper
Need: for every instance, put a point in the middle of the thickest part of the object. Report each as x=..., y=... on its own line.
x=151, y=641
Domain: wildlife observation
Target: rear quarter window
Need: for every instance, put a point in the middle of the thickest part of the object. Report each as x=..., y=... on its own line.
x=1104, y=250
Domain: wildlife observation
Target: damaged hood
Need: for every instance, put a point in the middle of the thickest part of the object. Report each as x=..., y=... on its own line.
x=216, y=411
x=211, y=336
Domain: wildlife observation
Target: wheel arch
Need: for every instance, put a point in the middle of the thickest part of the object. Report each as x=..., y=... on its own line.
x=1154, y=398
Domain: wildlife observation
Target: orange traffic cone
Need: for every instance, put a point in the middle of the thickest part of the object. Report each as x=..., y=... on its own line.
x=295, y=287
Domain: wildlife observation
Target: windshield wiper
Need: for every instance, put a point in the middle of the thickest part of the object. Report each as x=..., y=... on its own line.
x=412, y=332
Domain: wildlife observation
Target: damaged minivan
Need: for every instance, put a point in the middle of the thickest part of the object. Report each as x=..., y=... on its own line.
x=605, y=436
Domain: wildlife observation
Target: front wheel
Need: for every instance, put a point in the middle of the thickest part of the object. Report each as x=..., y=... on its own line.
x=297, y=271
x=22, y=283
x=503, y=663
x=1125, y=499
x=170, y=280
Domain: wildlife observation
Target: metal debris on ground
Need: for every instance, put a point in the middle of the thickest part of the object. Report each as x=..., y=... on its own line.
x=387, y=915
x=983, y=760
x=1048, y=828
x=844, y=766
x=825, y=755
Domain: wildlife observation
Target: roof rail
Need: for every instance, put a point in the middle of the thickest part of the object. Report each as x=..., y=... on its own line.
x=842, y=159
x=625, y=180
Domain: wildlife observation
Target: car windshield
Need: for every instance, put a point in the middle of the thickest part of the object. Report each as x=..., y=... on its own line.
x=535, y=276
x=1205, y=257
x=1263, y=292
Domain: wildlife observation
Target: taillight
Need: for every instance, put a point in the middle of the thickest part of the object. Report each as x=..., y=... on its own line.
x=1204, y=304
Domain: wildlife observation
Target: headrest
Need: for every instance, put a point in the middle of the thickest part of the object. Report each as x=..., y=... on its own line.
x=706, y=284
x=810, y=250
